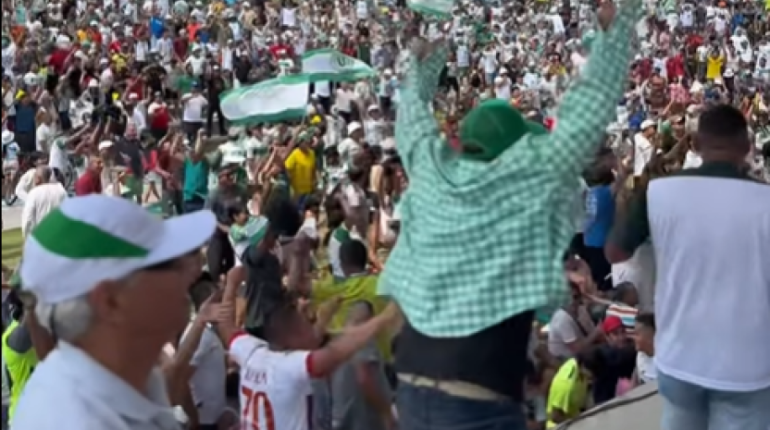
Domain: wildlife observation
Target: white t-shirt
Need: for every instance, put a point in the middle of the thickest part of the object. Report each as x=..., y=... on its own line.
x=344, y=100
x=193, y=109
x=275, y=386
x=44, y=135
x=196, y=63
x=564, y=329
x=643, y=151
x=645, y=367
x=206, y=384
x=57, y=157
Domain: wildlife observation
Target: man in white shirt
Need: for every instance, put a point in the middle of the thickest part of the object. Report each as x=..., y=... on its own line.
x=345, y=98
x=27, y=179
x=98, y=266
x=44, y=197
x=193, y=113
x=196, y=60
x=708, y=228
x=643, y=147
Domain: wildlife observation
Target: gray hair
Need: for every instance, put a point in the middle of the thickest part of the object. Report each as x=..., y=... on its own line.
x=67, y=320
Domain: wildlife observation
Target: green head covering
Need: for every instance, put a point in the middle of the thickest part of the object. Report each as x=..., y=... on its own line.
x=492, y=127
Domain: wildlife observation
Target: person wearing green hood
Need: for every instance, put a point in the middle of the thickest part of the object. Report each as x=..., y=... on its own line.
x=484, y=230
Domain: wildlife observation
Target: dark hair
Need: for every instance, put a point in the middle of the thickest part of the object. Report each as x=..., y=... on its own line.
x=647, y=319
x=353, y=254
x=592, y=359
x=621, y=290
x=201, y=290
x=312, y=203
x=283, y=216
x=233, y=208
x=723, y=122
x=335, y=216
x=278, y=319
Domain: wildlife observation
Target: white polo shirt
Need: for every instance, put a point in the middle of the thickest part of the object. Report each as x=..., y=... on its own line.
x=710, y=232
x=69, y=390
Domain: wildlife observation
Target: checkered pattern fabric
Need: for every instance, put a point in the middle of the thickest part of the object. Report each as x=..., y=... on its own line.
x=481, y=242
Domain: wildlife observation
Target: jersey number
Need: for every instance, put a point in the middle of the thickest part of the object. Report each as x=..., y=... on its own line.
x=251, y=410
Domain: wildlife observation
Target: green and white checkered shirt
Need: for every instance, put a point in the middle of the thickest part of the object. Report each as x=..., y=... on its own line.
x=481, y=242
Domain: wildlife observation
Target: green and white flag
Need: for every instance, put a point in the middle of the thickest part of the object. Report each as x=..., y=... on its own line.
x=279, y=99
x=330, y=65
x=436, y=8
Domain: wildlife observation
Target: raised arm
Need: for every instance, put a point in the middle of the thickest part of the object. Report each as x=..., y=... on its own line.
x=416, y=128
x=590, y=104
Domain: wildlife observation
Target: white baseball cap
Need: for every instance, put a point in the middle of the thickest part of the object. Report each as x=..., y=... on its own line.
x=8, y=137
x=648, y=123
x=91, y=239
x=104, y=144
x=353, y=126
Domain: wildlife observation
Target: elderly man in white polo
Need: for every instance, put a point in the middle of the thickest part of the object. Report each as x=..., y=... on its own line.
x=111, y=282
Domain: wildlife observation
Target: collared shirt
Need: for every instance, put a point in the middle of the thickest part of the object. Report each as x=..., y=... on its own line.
x=481, y=242
x=709, y=229
x=104, y=401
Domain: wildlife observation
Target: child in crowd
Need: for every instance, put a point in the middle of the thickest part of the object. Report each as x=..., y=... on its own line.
x=246, y=229
x=644, y=337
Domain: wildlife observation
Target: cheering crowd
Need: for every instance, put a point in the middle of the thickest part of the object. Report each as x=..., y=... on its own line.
x=510, y=213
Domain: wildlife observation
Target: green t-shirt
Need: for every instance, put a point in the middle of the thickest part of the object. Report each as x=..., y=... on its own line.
x=196, y=179
x=184, y=84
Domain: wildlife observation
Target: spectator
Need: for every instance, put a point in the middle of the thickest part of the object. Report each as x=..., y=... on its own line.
x=700, y=221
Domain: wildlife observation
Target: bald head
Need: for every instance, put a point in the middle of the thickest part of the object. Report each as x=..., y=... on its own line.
x=43, y=174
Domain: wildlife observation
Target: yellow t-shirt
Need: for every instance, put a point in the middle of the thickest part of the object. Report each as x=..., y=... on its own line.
x=714, y=67
x=82, y=36
x=568, y=393
x=300, y=165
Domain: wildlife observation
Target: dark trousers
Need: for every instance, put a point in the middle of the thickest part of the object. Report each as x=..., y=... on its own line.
x=27, y=141
x=175, y=201
x=215, y=109
x=326, y=102
x=190, y=130
x=220, y=254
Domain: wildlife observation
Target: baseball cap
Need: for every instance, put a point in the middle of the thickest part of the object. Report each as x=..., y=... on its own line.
x=647, y=123
x=95, y=238
x=611, y=323
x=353, y=126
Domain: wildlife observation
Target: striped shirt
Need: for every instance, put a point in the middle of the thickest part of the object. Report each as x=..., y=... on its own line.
x=627, y=315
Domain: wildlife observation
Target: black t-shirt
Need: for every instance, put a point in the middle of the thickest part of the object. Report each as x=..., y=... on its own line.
x=155, y=77
x=618, y=363
x=215, y=87
x=264, y=286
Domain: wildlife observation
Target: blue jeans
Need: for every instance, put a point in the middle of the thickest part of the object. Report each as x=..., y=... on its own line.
x=424, y=408
x=691, y=407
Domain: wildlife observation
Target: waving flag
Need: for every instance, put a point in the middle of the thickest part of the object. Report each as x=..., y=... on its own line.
x=279, y=99
x=331, y=65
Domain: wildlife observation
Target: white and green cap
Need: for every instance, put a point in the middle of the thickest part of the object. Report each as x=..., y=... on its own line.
x=96, y=238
